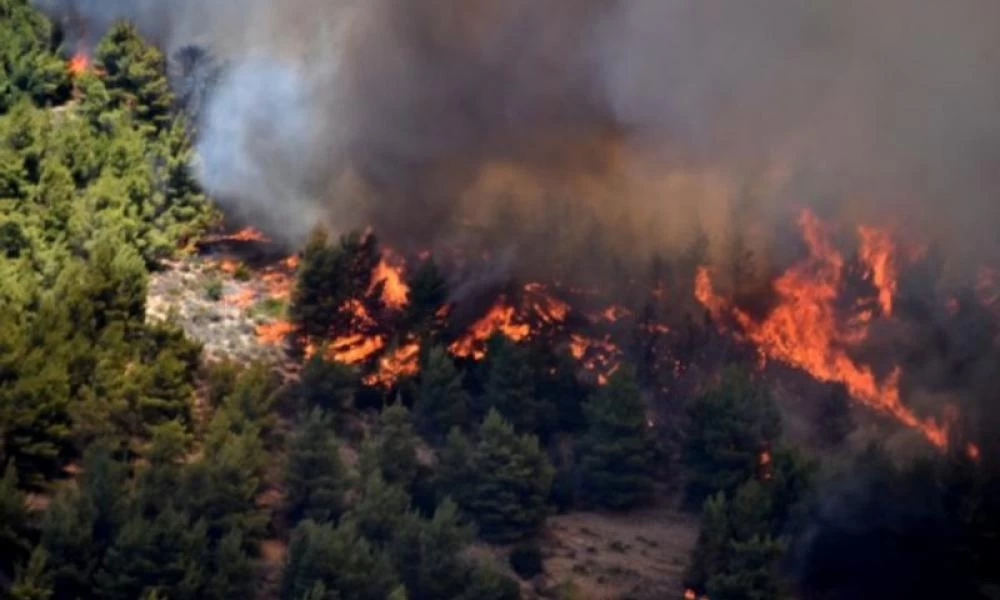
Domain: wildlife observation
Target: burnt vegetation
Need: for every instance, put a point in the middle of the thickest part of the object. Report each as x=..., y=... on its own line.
x=830, y=422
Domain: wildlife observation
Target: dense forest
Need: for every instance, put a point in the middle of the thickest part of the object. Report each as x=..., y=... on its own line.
x=133, y=467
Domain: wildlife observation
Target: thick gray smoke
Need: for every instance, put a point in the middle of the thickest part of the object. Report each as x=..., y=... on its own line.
x=632, y=121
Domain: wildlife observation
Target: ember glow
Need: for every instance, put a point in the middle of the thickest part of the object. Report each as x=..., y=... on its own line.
x=803, y=329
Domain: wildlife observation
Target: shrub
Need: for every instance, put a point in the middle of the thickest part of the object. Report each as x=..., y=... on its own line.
x=526, y=560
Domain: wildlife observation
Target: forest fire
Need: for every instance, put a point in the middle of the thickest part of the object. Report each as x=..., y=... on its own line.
x=803, y=328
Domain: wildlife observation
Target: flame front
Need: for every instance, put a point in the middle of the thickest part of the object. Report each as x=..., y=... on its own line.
x=803, y=331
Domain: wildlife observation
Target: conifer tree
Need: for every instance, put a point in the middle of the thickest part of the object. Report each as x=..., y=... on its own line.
x=509, y=484
x=427, y=554
x=232, y=573
x=510, y=384
x=33, y=581
x=750, y=573
x=396, y=449
x=485, y=583
x=616, y=462
x=164, y=553
x=709, y=554
x=15, y=521
x=380, y=510
x=134, y=73
x=327, y=385
x=221, y=489
x=347, y=565
x=442, y=403
x=730, y=425
x=315, y=477
x=428, y=294
x=316, y=297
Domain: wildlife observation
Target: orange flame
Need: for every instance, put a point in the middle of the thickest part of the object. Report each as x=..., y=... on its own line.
x=802, y=330
x=549, y=309
x=972, y=451
x=274, y=333
x=403, y=362
x=690, y=594
x=78, y=64
x=500, y=318
x=395, y=293
x=877, y=252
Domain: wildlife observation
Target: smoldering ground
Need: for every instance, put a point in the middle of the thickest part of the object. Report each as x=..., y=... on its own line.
x=547, y=121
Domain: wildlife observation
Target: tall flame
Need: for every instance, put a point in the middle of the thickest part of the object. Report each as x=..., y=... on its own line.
x=877, y=252
x=395, y=293
x=803, y=331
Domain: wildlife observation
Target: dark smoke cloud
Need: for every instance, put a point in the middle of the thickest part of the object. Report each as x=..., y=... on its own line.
x=640, y=119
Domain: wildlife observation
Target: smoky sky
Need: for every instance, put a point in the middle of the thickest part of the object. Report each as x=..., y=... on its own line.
x=636, y=122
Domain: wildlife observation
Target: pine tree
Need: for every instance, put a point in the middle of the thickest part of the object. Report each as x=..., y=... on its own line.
x=510, y=482
x=751, y=572
x=315, y=477
x=80, y=524
x=33, y=582
x=730, y=425
x=158, y=554
x=441, y=401
x=510, y=385
x=328, y=385
x=428, y=294
x=487, y=584
x=232, y=573
x=34, y=402
x=616, y=462
x=709, y=556
x=134, y=73
x=221, y=489
x=427, y=554
x=347, y=566
x=15, y=522
x=379, y=512
x=396, y=449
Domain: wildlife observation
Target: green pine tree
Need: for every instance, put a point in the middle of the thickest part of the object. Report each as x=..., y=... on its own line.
x=510, y=384
x=396, y=448
x=347, y=565
x=380, y=510
x=15, y=522
x=751, y=572
x=509, y=484
x=730, y=425
x=616, y=458
x=427, y=553
x=134, y=74
x=442, y=403
x=428, y=294
x=315, y=478
x=710, y=552
x=33, y=582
